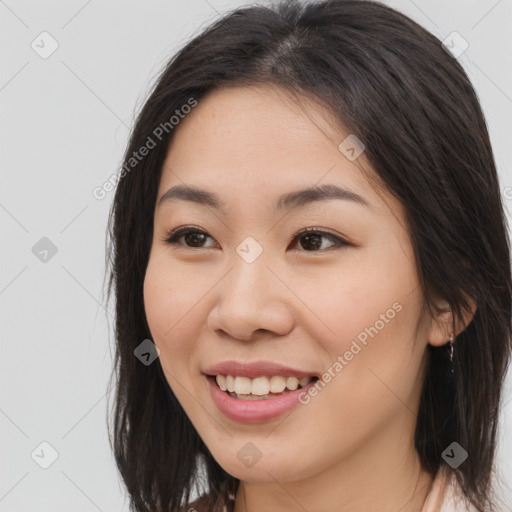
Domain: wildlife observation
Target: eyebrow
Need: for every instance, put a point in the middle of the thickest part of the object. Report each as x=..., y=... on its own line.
x=290, y=200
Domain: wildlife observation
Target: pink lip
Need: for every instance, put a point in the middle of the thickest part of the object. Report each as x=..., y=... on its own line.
x=256, y=369
x=252, y=411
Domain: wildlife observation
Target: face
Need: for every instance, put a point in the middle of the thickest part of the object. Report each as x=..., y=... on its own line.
x=342, y=303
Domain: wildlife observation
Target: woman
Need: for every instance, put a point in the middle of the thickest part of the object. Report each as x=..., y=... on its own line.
x=312, y=272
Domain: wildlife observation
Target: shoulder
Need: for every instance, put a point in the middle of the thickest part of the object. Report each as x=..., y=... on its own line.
x=199, y=505
x=207, y=504
x=445, y=494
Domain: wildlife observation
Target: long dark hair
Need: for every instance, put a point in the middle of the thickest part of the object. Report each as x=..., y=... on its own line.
x=394, y=86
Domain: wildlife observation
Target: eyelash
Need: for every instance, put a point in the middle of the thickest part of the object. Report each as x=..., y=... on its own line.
x=173, y=236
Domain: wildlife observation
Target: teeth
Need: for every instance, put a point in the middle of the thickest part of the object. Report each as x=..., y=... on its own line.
x=304, y=381
x=230, y=383
x=260, y=386
x=221, y=381
x=243, y=385
x=277, y=384
x=292, y=383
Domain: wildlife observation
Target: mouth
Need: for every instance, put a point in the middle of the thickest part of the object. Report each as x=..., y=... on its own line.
x=259, y=388
x=259, y=399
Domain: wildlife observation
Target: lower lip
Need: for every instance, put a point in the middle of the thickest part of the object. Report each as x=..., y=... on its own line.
x=254, y=411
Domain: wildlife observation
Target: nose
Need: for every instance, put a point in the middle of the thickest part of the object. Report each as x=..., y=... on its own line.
x=249, y=299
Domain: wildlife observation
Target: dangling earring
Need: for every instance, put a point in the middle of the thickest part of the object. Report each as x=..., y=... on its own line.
x=451, y=350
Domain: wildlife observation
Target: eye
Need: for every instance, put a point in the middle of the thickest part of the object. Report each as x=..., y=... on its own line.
x=194, y=237
x=313, y=239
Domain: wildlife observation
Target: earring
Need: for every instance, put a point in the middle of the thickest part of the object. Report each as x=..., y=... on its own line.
x=451, y=349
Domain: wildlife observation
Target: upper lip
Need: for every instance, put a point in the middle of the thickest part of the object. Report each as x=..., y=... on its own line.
x=255, y=369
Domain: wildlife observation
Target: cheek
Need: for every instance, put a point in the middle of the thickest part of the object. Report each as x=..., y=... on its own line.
x=372, y=313
x=375, y=361
x=168, y=304
x=169, y=298
x=156, y=301
x=359, y=303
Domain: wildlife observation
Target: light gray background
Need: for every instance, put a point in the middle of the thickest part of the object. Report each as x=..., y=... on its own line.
x=64, y=126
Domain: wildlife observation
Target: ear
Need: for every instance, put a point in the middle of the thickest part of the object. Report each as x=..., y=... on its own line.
x=442, y=326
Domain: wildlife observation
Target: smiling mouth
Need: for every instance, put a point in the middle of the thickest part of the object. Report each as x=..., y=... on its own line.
x=260, y=388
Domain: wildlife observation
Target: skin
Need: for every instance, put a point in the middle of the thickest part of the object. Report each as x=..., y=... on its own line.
x=351, y=448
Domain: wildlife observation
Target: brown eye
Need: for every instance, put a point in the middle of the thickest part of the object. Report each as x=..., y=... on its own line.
x=311, y=240
x=193, y=237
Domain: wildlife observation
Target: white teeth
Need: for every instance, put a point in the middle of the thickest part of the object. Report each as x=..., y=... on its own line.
x=304, y=381
x=292, y=383
x=260, y=386
x=243, y=385
x=277, y=384
x=221, y=381
x=230, y=383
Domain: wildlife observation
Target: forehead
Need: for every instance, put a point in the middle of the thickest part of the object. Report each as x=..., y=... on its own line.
x=257, y=121
x=260, y=140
